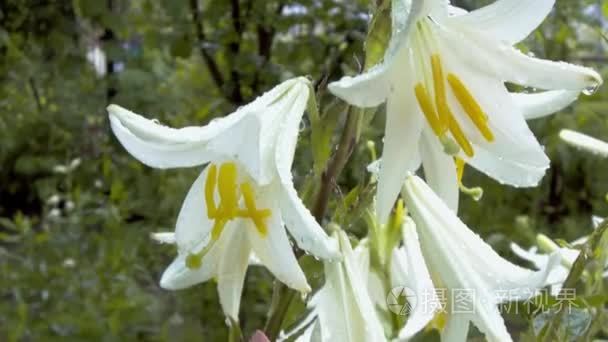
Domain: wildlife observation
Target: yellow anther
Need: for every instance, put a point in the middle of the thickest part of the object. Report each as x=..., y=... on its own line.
x=459, y=169
x=194, y=261
x=228, y=191
x=440, y=96
x=460, y=138
x=471, y=106
x=426, y=105
x=257, y=216
x=210, y=185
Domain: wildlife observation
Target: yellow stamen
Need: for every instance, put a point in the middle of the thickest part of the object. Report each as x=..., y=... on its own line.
x=477, y=192
x=440, y=97
x=399, y=213
x=459, y=169
x=218, y=227
x=228, y=190
x=210, y=185
x=471, y=106
x=195, y=260
x=460, y=138
x=258, y=216
x=426, y=105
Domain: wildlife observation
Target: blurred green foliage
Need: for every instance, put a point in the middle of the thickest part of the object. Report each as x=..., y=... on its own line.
x=76, y=210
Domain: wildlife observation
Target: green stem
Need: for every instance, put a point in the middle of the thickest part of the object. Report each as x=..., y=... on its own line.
x=235, y=334
x=281, y=300
x=550, y=330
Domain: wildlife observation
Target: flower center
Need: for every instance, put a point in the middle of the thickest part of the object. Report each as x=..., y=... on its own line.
x=435, y=108
x=230, y=192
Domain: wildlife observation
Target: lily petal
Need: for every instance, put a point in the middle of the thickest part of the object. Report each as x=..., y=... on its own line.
x=465, y=261
x=545, y=103
x=408, y=269
x=372, y=87
x=456, y=328
x=193, y=226
x=369, y=89
x=164, y=237
x=358, y=286
x=178, y=276
x=509, y=64
x=584, y=142
x=286, y=110
x=305, y=230
x=289, y=129
x=439, y=170
x=275, y=252
x=506, y=170
x=344, y=309
x=247, y=135
x=231, y=273
x=497, y=19
x=515, y=156
x=164, y=147
x=541, y=261
x=403, y=129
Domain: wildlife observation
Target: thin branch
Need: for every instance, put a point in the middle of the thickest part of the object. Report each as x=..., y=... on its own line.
x=266, y=35
x=36, y=94
x=235, y=49
x=347, y=143
x=216, y=74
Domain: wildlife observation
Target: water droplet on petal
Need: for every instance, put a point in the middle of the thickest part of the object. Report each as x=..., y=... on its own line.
x=591, y=89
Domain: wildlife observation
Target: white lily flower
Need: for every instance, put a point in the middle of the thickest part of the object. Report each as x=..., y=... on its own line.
x=584, y=142
x=476, y=278
x=568, y=256
x=343, y=309
x=558, y=274
x=443, y=77
x=242, y=201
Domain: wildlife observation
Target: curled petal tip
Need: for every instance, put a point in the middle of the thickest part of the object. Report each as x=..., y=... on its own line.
x=166, y=281
x=116, y=110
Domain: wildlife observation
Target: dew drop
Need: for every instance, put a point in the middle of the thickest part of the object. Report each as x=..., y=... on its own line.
x=591, y=89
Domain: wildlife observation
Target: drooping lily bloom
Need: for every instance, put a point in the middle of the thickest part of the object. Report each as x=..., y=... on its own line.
x=584, y=142
x=443, y=79
x=568, y=256
x=475, y=277
x=342, y=309
x=243, y=199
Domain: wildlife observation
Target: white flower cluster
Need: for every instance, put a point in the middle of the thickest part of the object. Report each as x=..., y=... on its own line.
x=443, y=80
